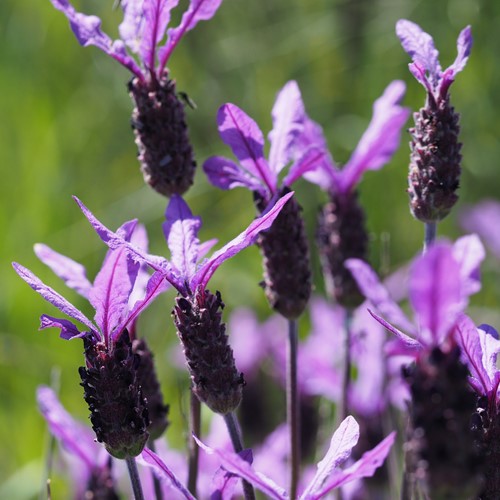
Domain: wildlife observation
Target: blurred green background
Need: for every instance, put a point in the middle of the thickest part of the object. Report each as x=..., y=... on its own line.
x=65, y=130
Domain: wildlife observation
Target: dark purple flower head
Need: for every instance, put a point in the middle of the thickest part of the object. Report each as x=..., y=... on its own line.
x=141, y=47
x=329, y=475
x=441, y=282
x=374, y=150
x=425, y=66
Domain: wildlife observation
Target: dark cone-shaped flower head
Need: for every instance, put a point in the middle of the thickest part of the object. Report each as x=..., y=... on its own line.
x=146, y=373
x=112, y=390
x=435, y=150
x=161, y=134
x=287, y=269
x=441, y=452
x=342, y=235
x=434, y=161
x=214, y=377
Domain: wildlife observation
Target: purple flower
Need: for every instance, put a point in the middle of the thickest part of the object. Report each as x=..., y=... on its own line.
x=341, y=232
x=246, y=140
x=425, y=66
x=435, y=159
x=328, y=476
x=375, y=148
x=197, y=312
x=287, y=274
x=113, y=387
x=142, y=31
x=440, y=284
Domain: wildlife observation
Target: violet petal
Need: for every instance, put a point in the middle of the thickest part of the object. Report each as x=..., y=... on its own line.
x=245, y=139
x=343, y=441
x=467, y=337
x=380, y=140
x=156, y=19
x=75, y=437
x=237, y=465
x=435, y=293
x=199, y=10
x=52, y=296
x=370, y=286
x=181, y=232
x=71, y=272
x=152, y=460
x=225, y=174
x=469, y=253
x=364, y=467
x=288, y=117
x=408, y=342
x=420, y=46
x=313, y=159
x=68, y=329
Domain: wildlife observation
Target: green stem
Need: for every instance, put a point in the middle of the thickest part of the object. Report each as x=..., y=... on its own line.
x=195, y=425
x=134, y=478
x=235, y=434
x=430, y=234
x=292, y=406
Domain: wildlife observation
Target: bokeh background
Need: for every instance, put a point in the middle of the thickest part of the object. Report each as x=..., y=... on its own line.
x=65, y=130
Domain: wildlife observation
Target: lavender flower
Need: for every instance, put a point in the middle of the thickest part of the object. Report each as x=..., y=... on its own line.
x=111, y=377
x=158, y=120
x=90, y=465
x=441, y=456
x=197, y=312
x=435, y=151
x=328, y=476
x=341, y=232
x=287, y=275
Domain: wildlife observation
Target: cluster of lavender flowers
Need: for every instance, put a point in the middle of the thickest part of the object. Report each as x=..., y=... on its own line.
x=364, y=369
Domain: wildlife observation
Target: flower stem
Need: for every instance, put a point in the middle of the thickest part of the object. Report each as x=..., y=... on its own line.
x=292, y=405
x=134, y=478
x=236, y=439
x=156, y=481
x=346, y=379
x=195, y=424
x=430, y=234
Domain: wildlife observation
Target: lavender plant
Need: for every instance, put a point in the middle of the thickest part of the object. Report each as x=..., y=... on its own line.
x=158, y=119
x=435, y=149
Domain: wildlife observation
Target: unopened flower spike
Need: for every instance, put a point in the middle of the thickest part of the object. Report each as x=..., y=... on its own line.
x=435, y=150
x=287, y=274
x=197, y=312
x=440, y=452
x=341, y=230
x=158, y=119
x=112, y=377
